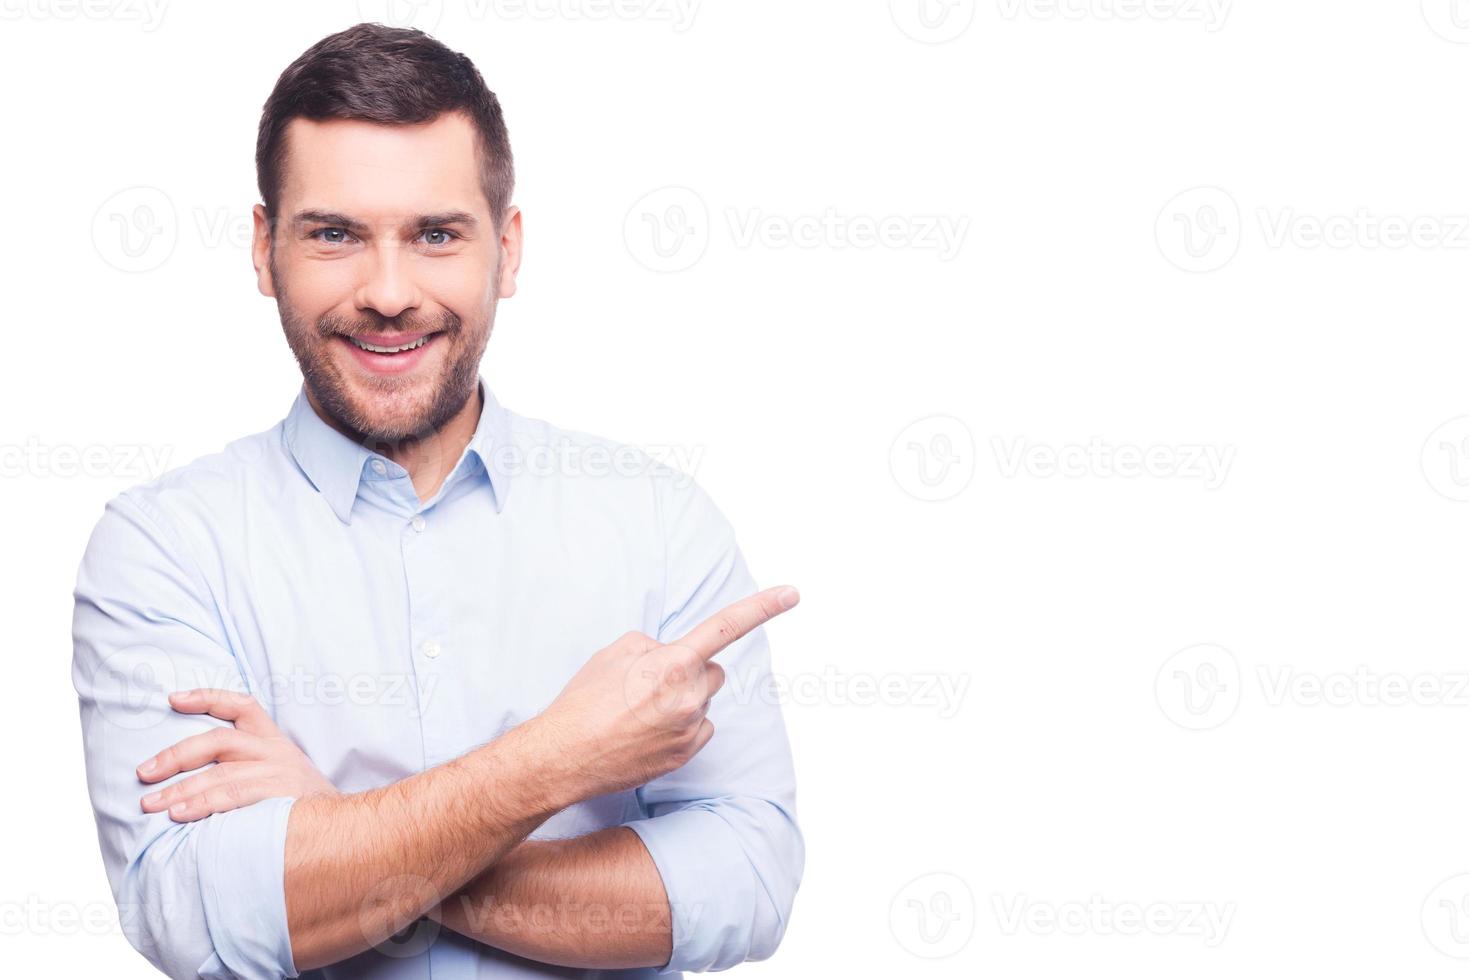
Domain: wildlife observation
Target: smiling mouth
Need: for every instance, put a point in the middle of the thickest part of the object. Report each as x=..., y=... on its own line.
x=376, y=349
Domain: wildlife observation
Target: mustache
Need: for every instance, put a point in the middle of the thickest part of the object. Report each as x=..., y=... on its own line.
x=370, y=324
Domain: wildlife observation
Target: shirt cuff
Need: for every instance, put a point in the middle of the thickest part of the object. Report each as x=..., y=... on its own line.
x=242, y=881
x=712, y=890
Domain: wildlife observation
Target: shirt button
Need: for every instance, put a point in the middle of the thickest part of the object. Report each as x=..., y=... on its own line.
x=418, y=522
x=431, y=649
x=379, y=467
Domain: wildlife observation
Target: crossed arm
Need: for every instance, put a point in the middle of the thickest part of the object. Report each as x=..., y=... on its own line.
x=450, y=841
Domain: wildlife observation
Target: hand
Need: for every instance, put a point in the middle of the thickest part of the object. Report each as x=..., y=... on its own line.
x=256, y=760
x=636, y=709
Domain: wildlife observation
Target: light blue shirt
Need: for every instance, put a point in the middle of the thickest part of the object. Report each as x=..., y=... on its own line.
x=386, y=636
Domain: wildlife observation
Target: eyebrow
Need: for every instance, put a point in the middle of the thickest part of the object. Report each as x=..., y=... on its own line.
x=417, y=222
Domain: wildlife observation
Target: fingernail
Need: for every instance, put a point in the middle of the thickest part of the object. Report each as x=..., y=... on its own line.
x=152, y=798
x=148, y=766
x=788, y=597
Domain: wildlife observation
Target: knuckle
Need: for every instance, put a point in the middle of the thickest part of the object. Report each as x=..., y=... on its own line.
x=728, y=626
x=688, y=660
x=635, y=640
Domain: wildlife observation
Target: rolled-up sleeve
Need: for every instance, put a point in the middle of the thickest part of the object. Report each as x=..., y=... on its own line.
x=722, y=828
x=202, y=899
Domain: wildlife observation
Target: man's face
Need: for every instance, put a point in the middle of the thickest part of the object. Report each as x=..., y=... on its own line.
x=386, y=267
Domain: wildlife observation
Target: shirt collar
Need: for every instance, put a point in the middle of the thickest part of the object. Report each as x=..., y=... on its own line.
x=335, y=464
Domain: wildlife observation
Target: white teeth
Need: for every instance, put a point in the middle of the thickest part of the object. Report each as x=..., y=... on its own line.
x=391, y=350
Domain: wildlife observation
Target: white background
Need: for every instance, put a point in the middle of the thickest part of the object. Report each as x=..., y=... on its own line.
x=1142, y=732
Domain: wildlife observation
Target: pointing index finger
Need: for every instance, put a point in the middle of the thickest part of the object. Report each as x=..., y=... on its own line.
x=738, y=619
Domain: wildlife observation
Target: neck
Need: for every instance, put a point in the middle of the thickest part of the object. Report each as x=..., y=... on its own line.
x=428, y=461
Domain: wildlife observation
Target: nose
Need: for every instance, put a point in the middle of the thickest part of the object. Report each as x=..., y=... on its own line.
x=389, y=288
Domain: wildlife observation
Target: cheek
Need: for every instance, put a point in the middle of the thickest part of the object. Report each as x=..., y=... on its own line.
x=468, y=293
x=315, y=288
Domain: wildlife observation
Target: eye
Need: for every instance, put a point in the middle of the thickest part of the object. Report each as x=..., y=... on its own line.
x=331, y=236
x=439, y=237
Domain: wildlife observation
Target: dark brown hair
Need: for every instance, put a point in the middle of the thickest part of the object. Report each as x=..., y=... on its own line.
x=384, y=75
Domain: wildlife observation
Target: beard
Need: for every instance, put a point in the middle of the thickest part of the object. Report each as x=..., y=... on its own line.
x=384, y=412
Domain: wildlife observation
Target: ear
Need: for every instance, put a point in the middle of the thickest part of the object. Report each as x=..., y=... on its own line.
x=511, y=243
x=260, y=246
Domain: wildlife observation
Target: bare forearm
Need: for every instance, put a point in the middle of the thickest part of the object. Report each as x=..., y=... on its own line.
x=590, y=902
x=361, y=867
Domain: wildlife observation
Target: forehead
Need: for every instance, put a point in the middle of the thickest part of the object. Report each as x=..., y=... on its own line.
x=365, y=169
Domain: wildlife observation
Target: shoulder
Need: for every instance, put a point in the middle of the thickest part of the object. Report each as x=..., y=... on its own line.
x=196, y=498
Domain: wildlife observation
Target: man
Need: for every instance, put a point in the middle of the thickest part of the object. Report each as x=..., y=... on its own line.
x=352, y=691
